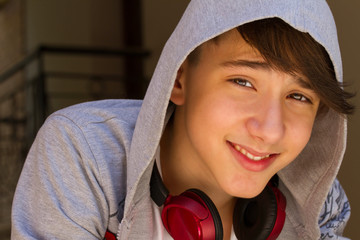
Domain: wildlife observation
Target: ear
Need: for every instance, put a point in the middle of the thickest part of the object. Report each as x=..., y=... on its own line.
x=178, y=92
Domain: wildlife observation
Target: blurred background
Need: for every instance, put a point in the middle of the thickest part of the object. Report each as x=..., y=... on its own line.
x=61, y=52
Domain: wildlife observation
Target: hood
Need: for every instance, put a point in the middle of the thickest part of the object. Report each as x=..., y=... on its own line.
x=306, y=181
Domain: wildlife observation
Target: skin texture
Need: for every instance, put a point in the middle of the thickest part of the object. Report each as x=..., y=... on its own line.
x=232, y=100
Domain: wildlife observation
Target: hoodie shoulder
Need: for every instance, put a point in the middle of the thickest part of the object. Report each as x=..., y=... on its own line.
x=100, y=111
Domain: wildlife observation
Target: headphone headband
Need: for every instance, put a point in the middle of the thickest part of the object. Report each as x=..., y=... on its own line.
x=158, y=191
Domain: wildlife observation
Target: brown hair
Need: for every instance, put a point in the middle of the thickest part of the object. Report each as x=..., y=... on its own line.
x=291, y=51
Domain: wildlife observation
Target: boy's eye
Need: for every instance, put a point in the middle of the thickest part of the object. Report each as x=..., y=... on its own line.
x=299, y=97
x=243, y=82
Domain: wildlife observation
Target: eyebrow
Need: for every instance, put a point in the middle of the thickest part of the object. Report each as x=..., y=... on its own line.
x=246, y=63
x=303, y=83
x=264, y=66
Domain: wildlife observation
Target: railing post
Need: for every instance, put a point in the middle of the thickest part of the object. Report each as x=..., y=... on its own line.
x=42, y=98
x=39, y=93
x=132, y=32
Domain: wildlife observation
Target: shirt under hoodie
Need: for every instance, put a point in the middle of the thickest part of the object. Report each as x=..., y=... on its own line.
x=89, y=168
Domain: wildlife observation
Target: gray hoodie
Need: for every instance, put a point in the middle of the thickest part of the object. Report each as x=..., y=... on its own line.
x=89, y=167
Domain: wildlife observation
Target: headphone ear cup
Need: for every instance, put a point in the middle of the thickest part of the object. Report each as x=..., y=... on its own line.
x=213, y=211
x=261, y=217
x=192, y=215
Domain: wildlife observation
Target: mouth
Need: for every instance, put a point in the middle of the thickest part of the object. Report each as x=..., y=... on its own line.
x=249, y=155
x=250, y=159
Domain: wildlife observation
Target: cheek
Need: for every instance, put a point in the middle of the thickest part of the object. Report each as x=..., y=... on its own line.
x=209, y=108
x=207, y=119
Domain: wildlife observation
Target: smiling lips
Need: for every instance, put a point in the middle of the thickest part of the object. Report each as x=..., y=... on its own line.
x=254, y=162
x=249, y=155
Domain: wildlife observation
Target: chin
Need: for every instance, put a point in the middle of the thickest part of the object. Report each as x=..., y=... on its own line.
x=251, y=194
x=246, y=186
x=247, y=191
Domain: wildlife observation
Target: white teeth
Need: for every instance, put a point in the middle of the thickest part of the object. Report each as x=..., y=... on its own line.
x=257, y=158
x=249, y=155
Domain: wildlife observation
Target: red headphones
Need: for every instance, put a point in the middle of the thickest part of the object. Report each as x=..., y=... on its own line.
x=193, y=216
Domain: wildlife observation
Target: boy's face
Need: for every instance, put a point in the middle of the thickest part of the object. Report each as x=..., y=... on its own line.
x=240, y=121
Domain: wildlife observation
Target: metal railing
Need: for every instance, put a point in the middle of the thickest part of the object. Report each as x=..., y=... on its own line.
x=29, y=99
x=36, y=90
x=26, y=100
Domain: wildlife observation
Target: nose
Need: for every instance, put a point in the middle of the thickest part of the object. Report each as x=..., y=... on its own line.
x=266, y=124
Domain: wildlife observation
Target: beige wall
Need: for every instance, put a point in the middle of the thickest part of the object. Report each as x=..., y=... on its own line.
x=347, y=18
x=80, y=23
x=68, y=22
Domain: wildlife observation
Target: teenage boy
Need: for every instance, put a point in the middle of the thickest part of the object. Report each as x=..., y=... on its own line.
x=256, y=118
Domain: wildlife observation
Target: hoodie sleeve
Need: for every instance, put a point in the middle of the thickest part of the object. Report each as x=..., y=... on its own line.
x=334, y=214
x=59, y=194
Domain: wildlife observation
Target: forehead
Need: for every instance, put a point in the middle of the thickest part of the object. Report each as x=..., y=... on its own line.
x=230, y=50
x=233, y=45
